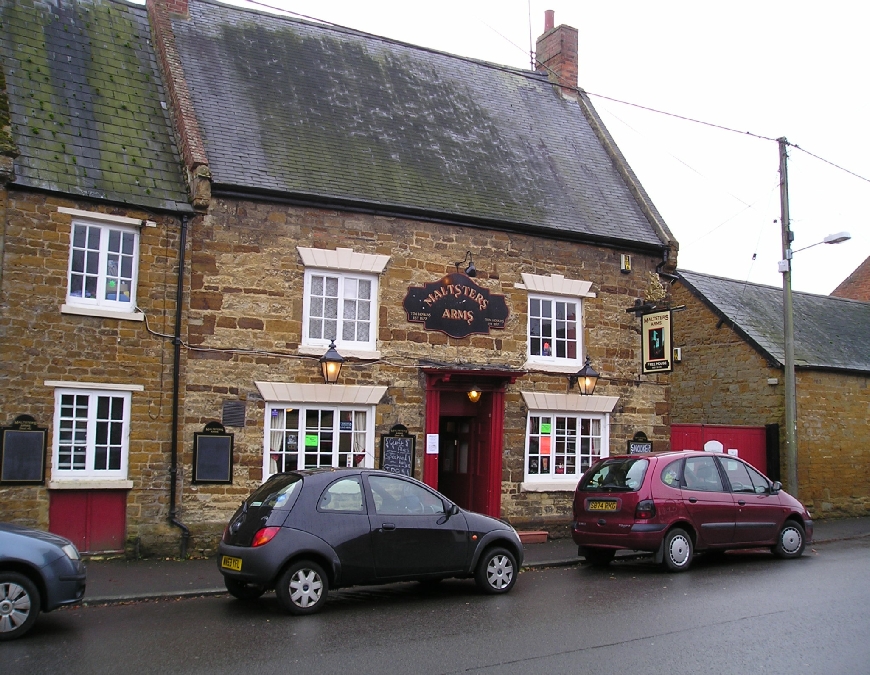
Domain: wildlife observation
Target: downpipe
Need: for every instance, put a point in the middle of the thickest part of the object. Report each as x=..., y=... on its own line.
x=176, y=366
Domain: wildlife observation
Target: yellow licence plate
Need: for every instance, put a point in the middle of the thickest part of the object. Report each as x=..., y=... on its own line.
x=231, y=563
x=601, y=505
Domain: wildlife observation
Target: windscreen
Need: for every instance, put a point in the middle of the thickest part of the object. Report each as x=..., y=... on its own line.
x=618, y=474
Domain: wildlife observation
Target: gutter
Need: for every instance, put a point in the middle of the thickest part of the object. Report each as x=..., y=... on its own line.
x=176, y=366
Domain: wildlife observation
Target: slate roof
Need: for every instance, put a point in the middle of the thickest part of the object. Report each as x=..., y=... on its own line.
x=331, y=115
x=85, y=99
x=829, y=333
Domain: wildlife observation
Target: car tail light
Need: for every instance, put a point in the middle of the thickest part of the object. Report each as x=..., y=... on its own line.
x=645, y=509
x=264, y=536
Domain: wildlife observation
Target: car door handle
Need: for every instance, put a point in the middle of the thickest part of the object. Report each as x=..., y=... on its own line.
x=741, y=502
x=692, y=500
x=387, y=527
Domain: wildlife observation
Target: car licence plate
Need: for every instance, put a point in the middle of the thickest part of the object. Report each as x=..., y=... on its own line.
x=601, y=505
x=230, y=563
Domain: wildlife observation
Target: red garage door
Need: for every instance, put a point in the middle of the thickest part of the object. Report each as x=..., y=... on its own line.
x=748, y=443
x=94, y=520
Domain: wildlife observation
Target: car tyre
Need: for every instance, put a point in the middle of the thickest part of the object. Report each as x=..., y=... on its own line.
x=678, y=550
x=496, y=571
x=302, y=588
x=790, y=541
x=599, y=557
x=19, y=605
x=243, y=591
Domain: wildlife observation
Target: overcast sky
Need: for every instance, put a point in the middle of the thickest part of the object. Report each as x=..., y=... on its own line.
x=768, y=67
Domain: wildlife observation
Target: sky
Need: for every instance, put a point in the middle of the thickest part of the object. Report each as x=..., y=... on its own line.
x=762, y=68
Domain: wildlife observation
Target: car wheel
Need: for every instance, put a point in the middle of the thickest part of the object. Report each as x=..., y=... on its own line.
x=791, y=540
x=497, y=571
x=243, y=591
x=599, y=557
x=678, y=550
x=19, y=605
x=302, y=588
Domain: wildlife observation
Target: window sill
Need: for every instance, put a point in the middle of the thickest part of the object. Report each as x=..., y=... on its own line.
x=101, y=312
x=563, y=369
x=550, y=486
x=88, y=484
x=363, y=354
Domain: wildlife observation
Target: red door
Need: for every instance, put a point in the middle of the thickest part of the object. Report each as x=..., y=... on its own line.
x=94, y=520
x=747, y=443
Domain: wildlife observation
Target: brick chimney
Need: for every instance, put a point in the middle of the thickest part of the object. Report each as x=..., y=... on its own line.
x=556, y=53
x=185, y=125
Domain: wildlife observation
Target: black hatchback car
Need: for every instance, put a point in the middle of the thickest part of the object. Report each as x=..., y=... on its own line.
x=304, y=532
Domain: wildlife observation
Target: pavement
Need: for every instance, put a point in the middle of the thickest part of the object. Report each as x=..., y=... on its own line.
x=117, y=581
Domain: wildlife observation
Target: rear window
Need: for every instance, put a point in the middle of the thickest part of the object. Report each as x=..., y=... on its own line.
x=622, y=474
x=276, y=492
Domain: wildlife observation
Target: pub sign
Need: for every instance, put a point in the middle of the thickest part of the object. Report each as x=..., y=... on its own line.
x=656, y=342
x=457, y=306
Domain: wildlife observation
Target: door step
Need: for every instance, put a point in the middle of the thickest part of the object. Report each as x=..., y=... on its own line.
x=533, y=536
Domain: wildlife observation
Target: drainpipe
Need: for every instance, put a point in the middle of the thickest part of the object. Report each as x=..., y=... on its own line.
x=176, y=341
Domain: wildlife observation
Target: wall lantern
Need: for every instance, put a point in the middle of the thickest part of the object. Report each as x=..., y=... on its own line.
x=330, y=364
x=471, y=270
x=586, y=378
x=474, y=394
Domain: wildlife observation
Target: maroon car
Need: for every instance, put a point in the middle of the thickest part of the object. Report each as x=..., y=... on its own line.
x=676, y=503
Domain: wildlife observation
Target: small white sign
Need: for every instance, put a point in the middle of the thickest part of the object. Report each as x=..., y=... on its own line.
x=732, y=451
x=431, y=444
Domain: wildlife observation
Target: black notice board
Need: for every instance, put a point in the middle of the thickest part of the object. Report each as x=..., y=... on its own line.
x=397, y=454
x=212, y=458
x=22, y=455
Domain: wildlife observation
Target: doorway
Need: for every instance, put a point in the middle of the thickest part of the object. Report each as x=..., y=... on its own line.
x=455, y=447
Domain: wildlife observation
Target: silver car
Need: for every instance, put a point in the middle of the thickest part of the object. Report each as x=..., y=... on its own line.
x=39, y=572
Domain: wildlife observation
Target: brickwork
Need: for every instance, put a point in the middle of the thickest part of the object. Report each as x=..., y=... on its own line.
x=724, y=380
x=857, y=285
x=40, y=344
x=246, y=294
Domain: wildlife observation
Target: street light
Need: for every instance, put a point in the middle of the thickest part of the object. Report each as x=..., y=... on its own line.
x=788, y=319
x=330, y=364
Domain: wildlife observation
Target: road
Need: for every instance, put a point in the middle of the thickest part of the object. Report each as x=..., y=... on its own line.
x=745, y=613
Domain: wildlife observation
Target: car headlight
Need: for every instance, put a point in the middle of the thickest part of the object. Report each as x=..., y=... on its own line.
x=71, y=551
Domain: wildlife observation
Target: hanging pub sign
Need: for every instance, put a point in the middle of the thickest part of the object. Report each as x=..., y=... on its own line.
x=22, y=452
x=656, y=342
x=455, y=305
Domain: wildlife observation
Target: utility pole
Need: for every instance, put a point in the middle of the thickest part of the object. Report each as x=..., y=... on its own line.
x=788, y=326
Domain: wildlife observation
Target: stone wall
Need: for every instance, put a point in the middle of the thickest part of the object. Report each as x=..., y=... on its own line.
x=40, y=344
x=246, y=294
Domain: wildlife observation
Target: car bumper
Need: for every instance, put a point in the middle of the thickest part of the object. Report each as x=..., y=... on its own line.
x=808, y=529
x=640, y=537
x=65, y=583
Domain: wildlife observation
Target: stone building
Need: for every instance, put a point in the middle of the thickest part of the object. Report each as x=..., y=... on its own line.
x=93, y=204
x=729, y=385
x=464, y=234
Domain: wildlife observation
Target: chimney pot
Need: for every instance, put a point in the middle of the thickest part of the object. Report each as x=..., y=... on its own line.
x=549, y=19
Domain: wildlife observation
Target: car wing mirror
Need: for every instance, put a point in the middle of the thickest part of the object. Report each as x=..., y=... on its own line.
x=776, y=487
x=450, y=509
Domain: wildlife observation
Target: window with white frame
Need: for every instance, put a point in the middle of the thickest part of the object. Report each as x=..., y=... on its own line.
x=103, y=266
x=91, y=434
x=340, y=306
x=554, y=330
x=561, y=446
x=318, y=435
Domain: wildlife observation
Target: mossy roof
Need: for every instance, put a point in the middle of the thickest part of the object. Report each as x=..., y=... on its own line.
x=332, y=115
x=86, y=103
x=829, y=333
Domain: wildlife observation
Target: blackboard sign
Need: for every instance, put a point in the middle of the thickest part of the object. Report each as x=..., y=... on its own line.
x=213, y=455
x=22, y=452
x=639, y=445
x=397, y=451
